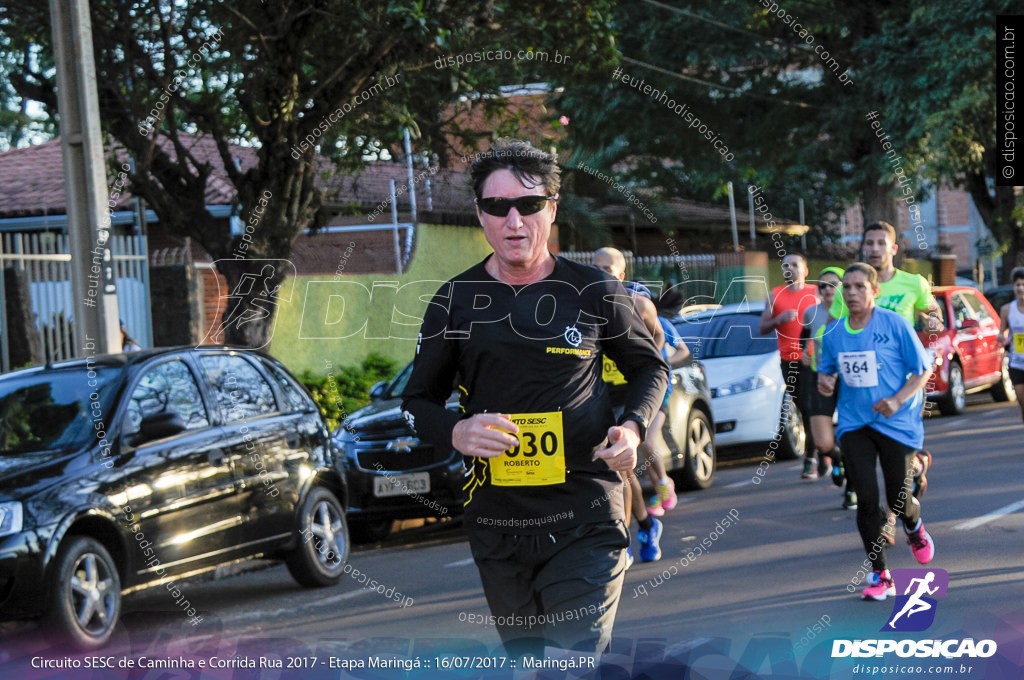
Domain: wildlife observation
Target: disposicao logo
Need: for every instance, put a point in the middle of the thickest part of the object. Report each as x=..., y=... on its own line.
x=914, y=611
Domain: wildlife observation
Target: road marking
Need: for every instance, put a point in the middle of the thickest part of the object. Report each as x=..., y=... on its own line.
x=952, y=423
x=736, y=485
x=990, y=517
x=977, y=431
x=460, y=563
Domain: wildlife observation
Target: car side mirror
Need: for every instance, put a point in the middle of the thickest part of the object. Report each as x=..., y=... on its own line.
x=968, y=323
x=377, y=391
x=158, y=426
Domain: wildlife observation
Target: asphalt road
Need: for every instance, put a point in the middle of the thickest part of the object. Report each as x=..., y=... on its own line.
x=773, y=585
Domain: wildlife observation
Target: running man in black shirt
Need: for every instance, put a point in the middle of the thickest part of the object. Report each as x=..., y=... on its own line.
x=525, y=332
x=612, y=261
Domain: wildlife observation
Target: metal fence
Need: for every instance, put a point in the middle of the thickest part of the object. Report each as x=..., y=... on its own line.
x=45, y=260
x=696, y=271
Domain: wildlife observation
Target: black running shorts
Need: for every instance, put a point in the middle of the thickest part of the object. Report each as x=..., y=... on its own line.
x=817, y=403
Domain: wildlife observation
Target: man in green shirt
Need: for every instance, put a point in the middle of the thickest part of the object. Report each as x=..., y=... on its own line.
x=909, y=295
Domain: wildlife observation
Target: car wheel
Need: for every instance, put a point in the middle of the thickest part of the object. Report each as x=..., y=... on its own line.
x=698, y=471
x=954, y=401
x=794, y=439
x=323, y=541
x=370, y=530
x=86, y=592
x=1003, y=390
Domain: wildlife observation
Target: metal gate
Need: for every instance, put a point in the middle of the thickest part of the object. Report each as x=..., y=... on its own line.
x=45, y=260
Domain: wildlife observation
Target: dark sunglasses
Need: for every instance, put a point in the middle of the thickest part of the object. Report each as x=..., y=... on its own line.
x=526, y=205
x=823, y=286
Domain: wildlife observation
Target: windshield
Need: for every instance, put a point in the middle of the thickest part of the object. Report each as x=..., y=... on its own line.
x=53, y=409
x=397, y=385
x=726, y=335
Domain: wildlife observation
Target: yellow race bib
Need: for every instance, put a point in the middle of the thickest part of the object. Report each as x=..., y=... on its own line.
x=611, y=373
x=1018, y=343
x=539, y=457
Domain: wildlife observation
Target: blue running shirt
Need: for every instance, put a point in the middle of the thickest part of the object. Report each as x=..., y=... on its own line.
x=673, y=340
x=874, y=363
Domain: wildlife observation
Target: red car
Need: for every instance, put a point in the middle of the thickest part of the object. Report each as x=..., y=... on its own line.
x=969, y=356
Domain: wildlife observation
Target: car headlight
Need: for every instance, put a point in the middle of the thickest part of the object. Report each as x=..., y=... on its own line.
x=746, y=385
x=10, y=518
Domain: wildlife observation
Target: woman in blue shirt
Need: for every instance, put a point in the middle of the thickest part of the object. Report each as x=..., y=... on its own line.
x=883, y=367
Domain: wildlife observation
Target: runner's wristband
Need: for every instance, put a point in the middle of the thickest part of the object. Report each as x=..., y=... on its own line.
x=640, y=423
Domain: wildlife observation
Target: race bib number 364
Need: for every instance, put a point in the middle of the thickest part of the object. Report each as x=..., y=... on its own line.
x=539, y=457
x=859, y=369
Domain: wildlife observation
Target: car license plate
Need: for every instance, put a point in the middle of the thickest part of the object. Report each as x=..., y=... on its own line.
x=396, y=485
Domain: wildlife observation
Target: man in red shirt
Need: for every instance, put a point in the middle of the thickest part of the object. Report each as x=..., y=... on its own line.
x=783, y=313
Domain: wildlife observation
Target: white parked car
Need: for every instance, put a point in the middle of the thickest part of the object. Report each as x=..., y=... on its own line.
x=748, y=398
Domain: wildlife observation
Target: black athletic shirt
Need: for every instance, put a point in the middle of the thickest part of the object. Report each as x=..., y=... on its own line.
x=535, y=348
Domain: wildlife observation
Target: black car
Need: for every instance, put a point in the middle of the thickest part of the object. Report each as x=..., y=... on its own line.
x=391, y=473
x=1000, y=295
x=127, y=471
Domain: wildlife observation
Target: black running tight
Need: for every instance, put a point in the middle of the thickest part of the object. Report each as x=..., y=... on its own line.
x=861, y=448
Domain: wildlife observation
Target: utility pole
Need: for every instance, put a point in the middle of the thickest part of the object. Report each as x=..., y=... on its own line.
x=803, y=236
x=750, y=210
x=93, y=278
x=735, y=228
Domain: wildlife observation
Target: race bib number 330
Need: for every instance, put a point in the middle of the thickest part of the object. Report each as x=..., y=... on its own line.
x=539, y=457
x=859, y=369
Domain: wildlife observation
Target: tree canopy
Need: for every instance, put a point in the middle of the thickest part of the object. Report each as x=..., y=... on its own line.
x=345, y=74
x=788, y=89
x=761, y=94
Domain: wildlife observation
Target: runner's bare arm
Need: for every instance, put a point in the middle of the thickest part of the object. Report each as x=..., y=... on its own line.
x=932, y=318
x=768, y=323
x=826, y=384
x=806, y=341
x=680, y=356
x=649, y=314
x=630, y=345
x=1004, y=325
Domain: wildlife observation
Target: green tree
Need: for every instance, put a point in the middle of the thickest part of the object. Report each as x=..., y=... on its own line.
x=791, y=123
x=274, y=74
x=936, y=75
x=18, y=126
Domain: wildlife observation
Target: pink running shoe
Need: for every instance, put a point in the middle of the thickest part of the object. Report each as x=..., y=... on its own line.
x=667, y=494
x=655, y=509
x=880, y=586
x=921, y=544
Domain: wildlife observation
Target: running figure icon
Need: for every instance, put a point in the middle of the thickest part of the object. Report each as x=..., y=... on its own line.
x=915, y=604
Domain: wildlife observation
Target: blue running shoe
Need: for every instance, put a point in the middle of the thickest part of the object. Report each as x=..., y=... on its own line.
x=629, y=558
x=650, y=548
x=838, y=473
